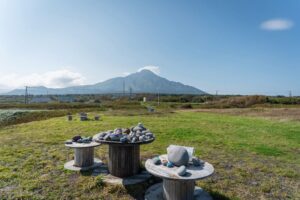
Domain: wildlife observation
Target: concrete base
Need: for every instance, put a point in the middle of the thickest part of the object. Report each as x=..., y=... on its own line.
x=110, y=179
x=155, y=192
x=70, y=165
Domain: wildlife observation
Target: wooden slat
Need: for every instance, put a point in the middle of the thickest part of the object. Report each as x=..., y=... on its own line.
x=178, y=190
x=84, y=157
x=124, y=161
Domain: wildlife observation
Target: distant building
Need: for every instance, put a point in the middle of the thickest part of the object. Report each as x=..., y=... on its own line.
x=65, y=99
x=40, y=100
x=144, y=99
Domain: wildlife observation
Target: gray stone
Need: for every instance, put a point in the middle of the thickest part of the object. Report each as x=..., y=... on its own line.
x=181, y=171
x=142, y=138
x=123, y=139
x=197, y=162
x=107, y=137
x=115, y=137
x=156, y=160
x=178, y=156
x=149, y=134
x=118, y=131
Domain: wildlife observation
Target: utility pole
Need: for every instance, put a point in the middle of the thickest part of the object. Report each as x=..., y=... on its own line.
x=290, y=94
x=130, y=92
x=123, y=88
x=26, y=95
x=158, y=97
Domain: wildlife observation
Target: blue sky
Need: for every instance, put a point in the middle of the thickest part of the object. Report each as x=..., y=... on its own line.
x=233, y=46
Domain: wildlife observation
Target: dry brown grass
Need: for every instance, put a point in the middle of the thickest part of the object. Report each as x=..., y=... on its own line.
x=282, y=114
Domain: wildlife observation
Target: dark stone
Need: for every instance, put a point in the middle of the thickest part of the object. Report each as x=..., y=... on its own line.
x=107, y=137
x=170, y=165
x=76, y=138
x=156, y=160
x=126, y=130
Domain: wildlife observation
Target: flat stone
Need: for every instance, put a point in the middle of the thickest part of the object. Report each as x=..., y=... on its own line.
x=155, y=192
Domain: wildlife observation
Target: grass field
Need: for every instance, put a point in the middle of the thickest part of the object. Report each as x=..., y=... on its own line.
x=254, y=158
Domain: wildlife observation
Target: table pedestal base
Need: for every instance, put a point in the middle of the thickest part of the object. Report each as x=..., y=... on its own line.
x=71, y=165
x=124, y=161
x=157, y=192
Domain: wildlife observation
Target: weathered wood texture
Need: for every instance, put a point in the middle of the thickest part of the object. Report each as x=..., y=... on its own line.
x=124, y=161
x=178, y=190
x=84, y=157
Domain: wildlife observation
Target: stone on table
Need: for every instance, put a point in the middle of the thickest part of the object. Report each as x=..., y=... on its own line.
x=76, y=138
x=178, y=155
x=170, y=165
x=156, y=160
x=181, y=171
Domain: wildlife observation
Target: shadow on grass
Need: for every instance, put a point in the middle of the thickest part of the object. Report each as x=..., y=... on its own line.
x=218, y=196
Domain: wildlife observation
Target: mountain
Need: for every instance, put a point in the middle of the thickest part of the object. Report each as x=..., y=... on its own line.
x=144, y=81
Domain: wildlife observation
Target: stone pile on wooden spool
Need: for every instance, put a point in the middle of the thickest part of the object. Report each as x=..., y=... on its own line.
x=79, y=139
x=135, y=134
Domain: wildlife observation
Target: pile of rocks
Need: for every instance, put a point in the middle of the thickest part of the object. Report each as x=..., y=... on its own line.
x=179, y=157
x=79, y=139
x=125, y=135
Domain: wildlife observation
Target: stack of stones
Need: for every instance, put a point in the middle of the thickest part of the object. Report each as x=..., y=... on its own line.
x=79, y=139
x=125, y=135
x=179, y=157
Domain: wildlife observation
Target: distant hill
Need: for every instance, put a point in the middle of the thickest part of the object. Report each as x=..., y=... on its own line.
x=144, y=81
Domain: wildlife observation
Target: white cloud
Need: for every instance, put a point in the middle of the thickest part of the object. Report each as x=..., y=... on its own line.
x=154, y=69
x=55, y=79
x=277, y=24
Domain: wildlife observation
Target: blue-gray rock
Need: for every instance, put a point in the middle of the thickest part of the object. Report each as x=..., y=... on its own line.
x=170, y=165
x=156, y=160
x=149, y=134
x=197, y=162
x=123, y=139
x=178, y=156
x=181, y=171
x=137, y=128
x=134, y=139
x=115, y=137
x=142, y=138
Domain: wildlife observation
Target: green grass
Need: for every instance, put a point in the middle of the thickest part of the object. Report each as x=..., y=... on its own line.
x=253, y=158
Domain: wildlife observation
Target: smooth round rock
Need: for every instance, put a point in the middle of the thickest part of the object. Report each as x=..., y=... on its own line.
x=178, y=156
x=181, y=171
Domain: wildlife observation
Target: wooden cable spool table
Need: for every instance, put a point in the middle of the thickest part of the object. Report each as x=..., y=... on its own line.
x=83, y=157
x=124, y=158
x=175, y=187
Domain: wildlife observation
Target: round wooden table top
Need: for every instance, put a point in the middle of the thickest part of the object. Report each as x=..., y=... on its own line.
x=192, y=172
x=83, y=145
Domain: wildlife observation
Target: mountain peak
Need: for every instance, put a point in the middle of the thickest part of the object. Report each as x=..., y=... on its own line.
x=144, y=81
